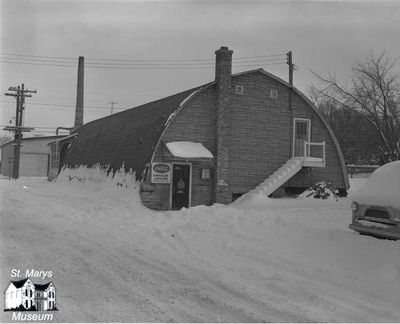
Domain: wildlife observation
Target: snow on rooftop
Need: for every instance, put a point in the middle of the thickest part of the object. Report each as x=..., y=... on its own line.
x=188, y=150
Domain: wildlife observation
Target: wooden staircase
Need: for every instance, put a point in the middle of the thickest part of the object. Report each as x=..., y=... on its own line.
x=278, y=178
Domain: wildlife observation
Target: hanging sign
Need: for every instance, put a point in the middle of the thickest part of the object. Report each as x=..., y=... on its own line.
x=160, y=172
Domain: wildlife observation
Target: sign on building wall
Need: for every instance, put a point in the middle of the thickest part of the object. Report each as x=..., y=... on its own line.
x=160, y=172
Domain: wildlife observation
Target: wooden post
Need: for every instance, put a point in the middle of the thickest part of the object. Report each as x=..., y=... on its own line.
x=18, y=129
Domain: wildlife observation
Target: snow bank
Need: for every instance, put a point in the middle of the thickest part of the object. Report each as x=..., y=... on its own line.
x=98, y=174
x=257, y=199
x=97, y=178
x=269, y=260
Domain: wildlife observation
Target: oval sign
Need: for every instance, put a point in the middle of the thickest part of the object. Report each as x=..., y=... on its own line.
x=161, y=168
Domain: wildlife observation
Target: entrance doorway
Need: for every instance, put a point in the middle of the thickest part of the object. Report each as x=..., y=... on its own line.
x=301, y=134
x=39, y=304
x=180, y=186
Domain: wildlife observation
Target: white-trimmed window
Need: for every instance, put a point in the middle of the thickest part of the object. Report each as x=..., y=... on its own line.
x=239, y=90
x=54, y=155
x=273, y=94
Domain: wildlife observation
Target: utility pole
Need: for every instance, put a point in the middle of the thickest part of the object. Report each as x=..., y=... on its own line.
x=290, y=63
x=112, y=106
x=20, y=94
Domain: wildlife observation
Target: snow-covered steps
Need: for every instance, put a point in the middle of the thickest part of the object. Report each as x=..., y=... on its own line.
x=278, y=178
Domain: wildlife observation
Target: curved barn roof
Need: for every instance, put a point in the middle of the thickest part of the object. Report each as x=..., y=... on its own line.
x=330, y=131
x=105, y=141
x=303, y=96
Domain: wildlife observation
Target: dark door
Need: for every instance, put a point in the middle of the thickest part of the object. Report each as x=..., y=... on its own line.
x=180, y=186
x=301, y=136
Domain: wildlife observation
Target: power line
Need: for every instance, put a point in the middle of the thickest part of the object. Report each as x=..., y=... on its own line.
x=95, y=94
x=26, y=63
x=179, y=64
x=138, y=64
x=39, y=127
x=17, y=59
x=69, y=105
x=149, y=62
x=26, y=55
x=180, y=60
x=168, y=67
x=137, y=60
x=119, y=67
x=146, y=67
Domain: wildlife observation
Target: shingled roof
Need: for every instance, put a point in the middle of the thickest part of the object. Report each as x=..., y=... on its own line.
x=128, y=137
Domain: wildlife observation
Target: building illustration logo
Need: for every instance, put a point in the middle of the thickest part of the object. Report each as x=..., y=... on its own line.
x=24, y=295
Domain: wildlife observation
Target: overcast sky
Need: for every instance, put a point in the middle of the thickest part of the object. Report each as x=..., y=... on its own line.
x=41, y=41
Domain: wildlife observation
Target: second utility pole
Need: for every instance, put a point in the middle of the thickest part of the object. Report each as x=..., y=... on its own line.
x=112, y=106
x=18, y=129
x=290, y=63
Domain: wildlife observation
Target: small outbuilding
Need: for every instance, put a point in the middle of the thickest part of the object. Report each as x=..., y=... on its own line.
x=34, y=158
x=217, y=141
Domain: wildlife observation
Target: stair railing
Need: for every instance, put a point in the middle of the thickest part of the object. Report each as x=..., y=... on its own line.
x=307, y=150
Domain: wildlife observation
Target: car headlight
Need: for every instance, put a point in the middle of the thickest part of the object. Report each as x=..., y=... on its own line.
x=354, y=206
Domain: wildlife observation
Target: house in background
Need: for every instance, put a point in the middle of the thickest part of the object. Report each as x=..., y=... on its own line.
x=24, y=293
x=217, y=141
x=34, y=158
x=45, y=296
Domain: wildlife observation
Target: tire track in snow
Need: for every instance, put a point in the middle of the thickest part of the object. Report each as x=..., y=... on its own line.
x=110, y=265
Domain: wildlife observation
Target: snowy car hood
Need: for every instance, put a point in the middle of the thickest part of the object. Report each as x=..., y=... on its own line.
x=382, y=188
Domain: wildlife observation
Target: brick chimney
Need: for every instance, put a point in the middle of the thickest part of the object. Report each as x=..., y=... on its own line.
x=79, y=94
x=223, y=76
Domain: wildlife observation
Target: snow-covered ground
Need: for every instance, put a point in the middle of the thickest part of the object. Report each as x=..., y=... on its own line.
x=279, y=260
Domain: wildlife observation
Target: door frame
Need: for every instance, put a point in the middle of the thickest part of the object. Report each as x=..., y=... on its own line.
x=172, y=180
x=308, y=121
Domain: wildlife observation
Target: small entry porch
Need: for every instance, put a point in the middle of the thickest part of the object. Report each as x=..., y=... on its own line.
x=180, y=177
x=312, y=154
x=187, y=159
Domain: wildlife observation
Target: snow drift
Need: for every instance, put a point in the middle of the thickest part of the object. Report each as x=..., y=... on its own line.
x=266, y=260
